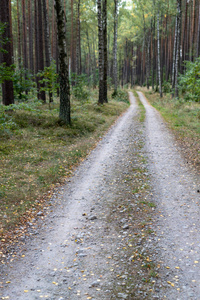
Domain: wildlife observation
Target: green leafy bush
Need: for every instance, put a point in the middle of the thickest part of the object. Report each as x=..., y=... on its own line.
x=121, y=95
x=80, y=89
x=189, y=83
x=49, y=79
x=23, y=83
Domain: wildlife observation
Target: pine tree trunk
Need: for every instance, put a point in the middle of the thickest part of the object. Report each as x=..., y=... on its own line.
x=41, y=51
x=46, y=35
x=148, y=60
x=65, y=113
x=25, y=57
x=198, y=36
x=78, y=69
x=19, y=35
x=101, y=52
x=174, y=54
x=158, y=49
x=7, y=55
x=105, y=53
x=31, y=65
x=47, y=41
x=178, y=45
x=115, y=46
x=36, y=45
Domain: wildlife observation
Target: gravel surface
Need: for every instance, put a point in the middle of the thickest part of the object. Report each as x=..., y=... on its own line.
x=103, y=238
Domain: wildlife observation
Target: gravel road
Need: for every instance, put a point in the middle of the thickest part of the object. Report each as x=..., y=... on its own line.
x=102, y=236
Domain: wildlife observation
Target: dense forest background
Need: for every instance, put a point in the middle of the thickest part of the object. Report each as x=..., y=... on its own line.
x=142, y=42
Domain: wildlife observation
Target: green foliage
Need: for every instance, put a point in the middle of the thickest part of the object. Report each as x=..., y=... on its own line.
x=121, y=95
x=6, y=72
x=189, y=83
x=23, y=83
x=166, y=87
x=8, y=122
x=49, y=79
x=80, y=90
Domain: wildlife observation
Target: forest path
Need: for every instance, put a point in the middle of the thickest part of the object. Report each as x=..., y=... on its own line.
x=175, y=190
x=96, y=242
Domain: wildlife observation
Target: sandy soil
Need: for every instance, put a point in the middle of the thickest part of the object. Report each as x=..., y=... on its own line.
x=103, y=238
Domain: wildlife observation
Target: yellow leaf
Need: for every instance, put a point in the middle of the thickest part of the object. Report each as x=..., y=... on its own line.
x=177, y=268
x=55, y=283
x=25, y=291
x=196, y=262
x=167, y=267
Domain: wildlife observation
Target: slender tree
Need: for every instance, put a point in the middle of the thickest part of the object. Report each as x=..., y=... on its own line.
x=31, y=65
x=7, y=55
x=41, y=47
x=115, y=46
x=65, y=114
x=158, y=49
x=105, y=54
x=101, y=51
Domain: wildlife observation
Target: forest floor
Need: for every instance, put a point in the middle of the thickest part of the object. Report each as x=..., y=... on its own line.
x=125, y=226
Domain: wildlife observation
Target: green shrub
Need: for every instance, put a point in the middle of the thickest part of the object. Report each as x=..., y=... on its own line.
x=189, y=83
x=80, y=89
x=121, y=95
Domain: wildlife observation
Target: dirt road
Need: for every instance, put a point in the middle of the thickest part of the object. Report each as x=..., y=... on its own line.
x=126, y=226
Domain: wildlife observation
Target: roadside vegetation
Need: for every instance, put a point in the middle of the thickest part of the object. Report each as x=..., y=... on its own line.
x=38, y=152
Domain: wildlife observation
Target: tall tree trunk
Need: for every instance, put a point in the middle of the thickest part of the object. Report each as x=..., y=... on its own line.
x=178, y=45
x=89, y=57
x=25, y=57
x=36, y=45
x=72, y=40
x=158, y=49
x=47, y=41
x=198, y=36
x=148, y=63
x=105, y=54
x=31, y=65
x=101, y=52
x=46, y=35
x=7, y=55
x=19, y=35
x=65, y=113
x=40, y=45
x=174, y=55
x=78, y=66
x=115, y=46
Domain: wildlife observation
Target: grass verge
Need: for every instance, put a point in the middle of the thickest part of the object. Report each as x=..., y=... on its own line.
x=38, y=153
x=184, y=118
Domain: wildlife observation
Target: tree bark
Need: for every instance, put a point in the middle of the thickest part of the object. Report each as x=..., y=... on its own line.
x=7, y=55
x=40, y=45
x=25, y=57
x=31, y=65
x=115, y=46
x=65, y=113
x=178, y=45
x=158, y=49
x=19, y=35
x=78, y=54
x=101, y=52
x=105, y=54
